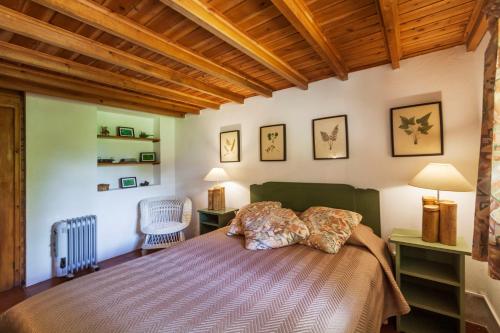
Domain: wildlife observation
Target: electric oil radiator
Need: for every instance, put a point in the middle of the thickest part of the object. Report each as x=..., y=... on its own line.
x=74, y=245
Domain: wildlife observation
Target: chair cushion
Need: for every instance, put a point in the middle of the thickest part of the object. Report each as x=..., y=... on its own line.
x=236, y=226
x=329, y=227
x=274, y=228
x=160, y=228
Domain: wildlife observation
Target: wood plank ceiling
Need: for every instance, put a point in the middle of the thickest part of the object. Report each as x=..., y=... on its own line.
x=176, y=57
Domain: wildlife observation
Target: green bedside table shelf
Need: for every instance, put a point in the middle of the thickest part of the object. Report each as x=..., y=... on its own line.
x=432, y=279
x=211, y=220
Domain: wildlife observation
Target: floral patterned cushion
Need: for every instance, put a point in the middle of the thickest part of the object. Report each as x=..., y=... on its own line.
x=236, y=227
x=329, y=227
x=272, y=229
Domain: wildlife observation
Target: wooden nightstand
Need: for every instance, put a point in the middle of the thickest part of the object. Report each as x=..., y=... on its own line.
x=432, y=279
x=211, y=220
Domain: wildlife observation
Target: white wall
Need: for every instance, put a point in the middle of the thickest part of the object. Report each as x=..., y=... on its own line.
x=452, y=76
x=61, y=151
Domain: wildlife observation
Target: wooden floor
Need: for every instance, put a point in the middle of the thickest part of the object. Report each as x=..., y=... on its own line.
x=10, y=298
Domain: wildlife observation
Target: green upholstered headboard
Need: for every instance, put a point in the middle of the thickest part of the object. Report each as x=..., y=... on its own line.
x=300, y=196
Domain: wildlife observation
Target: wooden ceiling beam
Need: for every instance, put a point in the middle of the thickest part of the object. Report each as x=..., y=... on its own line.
x=102, y=18
x=299, y=15
x=28, y=26
x=56, y=81
x=218, y=25
x=37, y=59
x=19, y=85
x=476, y=27
x=389, y=17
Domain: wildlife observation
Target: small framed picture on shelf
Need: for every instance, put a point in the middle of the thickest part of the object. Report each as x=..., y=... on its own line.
x=125, y=131
x=148, y=157
x=128, y=182
x=273, y=143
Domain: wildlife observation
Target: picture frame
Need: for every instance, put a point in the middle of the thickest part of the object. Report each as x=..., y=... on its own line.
x=417, y=130
x=229, y=146
x=125, y=131
x=273, y=143
x=128, y=182
x=330, y=138
x=147, y=157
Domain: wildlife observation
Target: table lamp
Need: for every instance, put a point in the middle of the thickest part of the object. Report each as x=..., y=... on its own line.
x=216, y=194
x=440, y=216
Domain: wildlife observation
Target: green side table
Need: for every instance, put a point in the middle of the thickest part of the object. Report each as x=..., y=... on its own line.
x=432, y=279
x=211, y=220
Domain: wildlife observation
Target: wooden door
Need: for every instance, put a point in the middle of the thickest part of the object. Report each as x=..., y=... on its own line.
x=12, y=190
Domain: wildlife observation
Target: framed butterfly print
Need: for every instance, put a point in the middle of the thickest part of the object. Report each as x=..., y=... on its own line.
x=330, y=138
x=230, y=146
x=417, y=130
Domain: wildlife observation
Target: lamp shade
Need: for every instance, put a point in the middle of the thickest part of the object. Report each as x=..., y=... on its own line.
x=216, y=175
x=441, y=176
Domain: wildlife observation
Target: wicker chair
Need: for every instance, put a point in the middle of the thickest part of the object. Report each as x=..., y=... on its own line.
x=163, y=220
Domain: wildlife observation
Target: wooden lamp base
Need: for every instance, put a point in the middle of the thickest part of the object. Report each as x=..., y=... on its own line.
x=216, y=198
x=448, y=222
x=439, y=221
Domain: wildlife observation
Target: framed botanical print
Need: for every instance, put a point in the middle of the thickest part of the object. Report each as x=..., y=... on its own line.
x=417, y=130
x=273, y=143
x=230, y=146
x=330, y=138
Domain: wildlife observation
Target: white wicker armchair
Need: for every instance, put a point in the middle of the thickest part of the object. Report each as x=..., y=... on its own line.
x=163, y=220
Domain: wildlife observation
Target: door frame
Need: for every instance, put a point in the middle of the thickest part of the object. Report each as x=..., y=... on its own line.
x=16, y=100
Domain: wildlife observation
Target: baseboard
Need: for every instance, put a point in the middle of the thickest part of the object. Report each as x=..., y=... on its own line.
x=488, y=303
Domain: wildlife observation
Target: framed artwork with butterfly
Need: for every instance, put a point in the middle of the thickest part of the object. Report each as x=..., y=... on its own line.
x=330, y=138
x=417, y=130
x=230, y=146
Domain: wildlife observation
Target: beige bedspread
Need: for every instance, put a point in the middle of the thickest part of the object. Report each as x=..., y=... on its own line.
x=213, y=284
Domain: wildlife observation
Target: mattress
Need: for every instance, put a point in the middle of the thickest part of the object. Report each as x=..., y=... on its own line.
x=213, y=284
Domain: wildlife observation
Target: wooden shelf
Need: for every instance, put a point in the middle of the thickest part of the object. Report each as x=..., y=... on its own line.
x=212, y=224
x=431, y=298
x=418, y=321
x=114, y=189
x=126, y=164
x=429, y=270
x=114, y=137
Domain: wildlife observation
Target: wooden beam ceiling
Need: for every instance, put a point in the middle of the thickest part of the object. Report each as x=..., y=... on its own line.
x=27, y=26
x=37, y=59
x=20, y=85
x=477, y=26
x=388, y=11
x=102, y=18
x=214, y=22
x=193, y=54
x=57, y=81
x=299, y=15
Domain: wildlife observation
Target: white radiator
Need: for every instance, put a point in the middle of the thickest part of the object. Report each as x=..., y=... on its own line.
x=74, y=245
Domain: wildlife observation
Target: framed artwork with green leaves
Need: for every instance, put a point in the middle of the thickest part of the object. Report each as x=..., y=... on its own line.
x=330, y=139
x=229, y=146
x=273, y=143
x=417, y=130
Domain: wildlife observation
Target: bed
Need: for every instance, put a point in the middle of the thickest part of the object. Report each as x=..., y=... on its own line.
x=213, y=284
